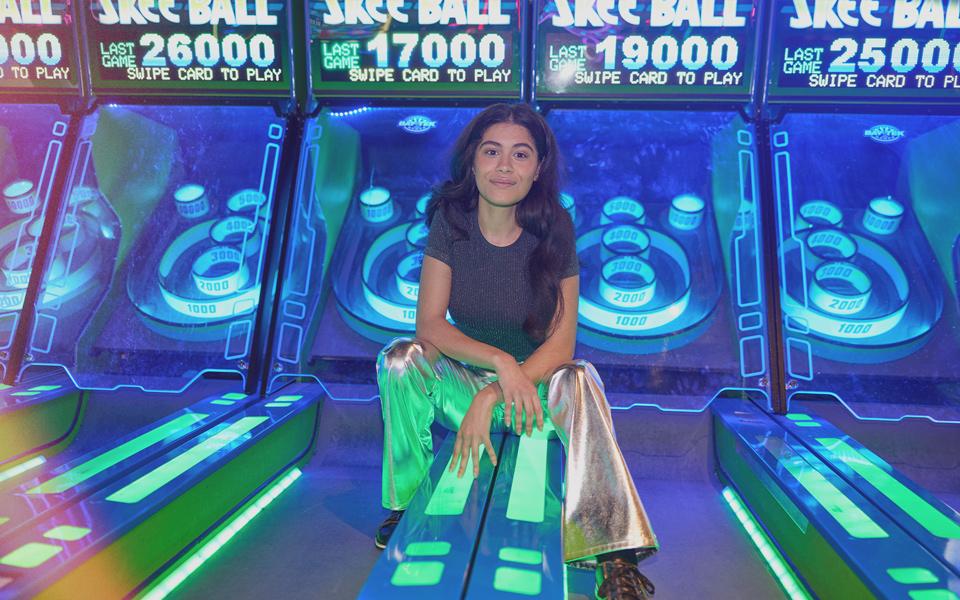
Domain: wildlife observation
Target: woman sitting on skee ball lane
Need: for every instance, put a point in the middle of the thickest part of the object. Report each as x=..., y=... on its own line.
x=501, y=257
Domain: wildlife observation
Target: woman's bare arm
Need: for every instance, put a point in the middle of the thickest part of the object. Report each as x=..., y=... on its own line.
x=558, y=348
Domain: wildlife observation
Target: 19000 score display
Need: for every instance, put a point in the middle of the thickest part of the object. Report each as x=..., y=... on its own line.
x=694, y=60
x=182, y=57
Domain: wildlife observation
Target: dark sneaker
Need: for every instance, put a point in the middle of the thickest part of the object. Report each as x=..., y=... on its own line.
x=619, y=579
x=386, y=528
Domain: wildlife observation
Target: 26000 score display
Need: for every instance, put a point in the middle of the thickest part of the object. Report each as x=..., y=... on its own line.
x=208, y=50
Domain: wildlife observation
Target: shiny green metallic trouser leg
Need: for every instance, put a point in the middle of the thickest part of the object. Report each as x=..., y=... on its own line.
x=419, y=385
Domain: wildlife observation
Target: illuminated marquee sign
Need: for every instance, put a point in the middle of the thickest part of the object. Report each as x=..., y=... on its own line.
x=424, y=48
x=37, y=46
x=192, y=46
x=634, y=48
x=865, y=49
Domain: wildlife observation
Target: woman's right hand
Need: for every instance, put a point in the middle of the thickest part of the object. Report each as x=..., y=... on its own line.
x=519, y=395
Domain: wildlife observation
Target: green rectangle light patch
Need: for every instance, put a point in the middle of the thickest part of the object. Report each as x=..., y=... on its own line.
x=528, y=489
x=449, y=498
x=521, y=555
x=419, y=573
x=912, y=575
x=921, y=511
x=154, y=480
x=847, y=514
x=102, y=462
x=517, y=581
x=29, y=556
x=67, y=533
x=428, y=549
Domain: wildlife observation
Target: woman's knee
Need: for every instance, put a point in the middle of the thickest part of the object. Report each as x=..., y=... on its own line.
x=576, y=369
x=403, y=355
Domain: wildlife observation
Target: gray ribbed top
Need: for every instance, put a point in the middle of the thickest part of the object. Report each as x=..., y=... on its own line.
x=490, y=292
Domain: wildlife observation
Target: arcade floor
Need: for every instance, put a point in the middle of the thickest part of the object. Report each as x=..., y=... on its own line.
x=316, y=540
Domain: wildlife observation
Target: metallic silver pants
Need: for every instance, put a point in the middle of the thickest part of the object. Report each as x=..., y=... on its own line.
x=420, y=385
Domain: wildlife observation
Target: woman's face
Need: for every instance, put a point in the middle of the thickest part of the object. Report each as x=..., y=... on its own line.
x=506, y=164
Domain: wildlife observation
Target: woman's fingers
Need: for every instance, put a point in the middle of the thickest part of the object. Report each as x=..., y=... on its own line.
x=489, y=448
x=456, y=454
x=507, y=412
x=538, y=410
x=475, y=453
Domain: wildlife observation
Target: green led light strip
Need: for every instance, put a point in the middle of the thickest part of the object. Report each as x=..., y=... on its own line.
x=528, y=488
x=23, y=467
x=449, y=498
x=849, y=516
x=234, y=396
x=175, y=467
x=45, y=388
x=785, y=576
x=932, y=595
x=104, y=461
x=909, y=501
x=193, y=561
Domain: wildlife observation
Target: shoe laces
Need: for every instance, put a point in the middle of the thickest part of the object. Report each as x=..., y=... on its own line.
x=622, y=581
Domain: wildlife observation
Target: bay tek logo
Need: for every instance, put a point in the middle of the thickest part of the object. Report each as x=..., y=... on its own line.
x=417, y=124
x=885, y=134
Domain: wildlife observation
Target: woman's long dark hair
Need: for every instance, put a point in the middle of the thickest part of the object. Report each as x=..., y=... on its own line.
x=539, y=213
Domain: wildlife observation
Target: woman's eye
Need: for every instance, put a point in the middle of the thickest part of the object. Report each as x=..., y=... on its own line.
x=491, y=152
x=521, y=155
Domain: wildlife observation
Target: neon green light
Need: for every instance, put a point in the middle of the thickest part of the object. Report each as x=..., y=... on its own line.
x=517, y=581
x=419, y=573
x=528, y=489
x=785, y=576
x=807, y=424
x=67, y=533
x=449, y=498
x=427, y=549
x=168, y=583
x=853, y=520
x=909, y=501
x=798, y=417
x=29, y=556
x=521, y=555
x=223, y=402
x=234, y=396
x=23, y=467
x=45, y=388
x=4, y=386
x=175, y=467
x=912, y=575
x=277, y=404
x=933, y=595
x=4, y=520
x=104, y=461
x=289, y=399
x=25, y=394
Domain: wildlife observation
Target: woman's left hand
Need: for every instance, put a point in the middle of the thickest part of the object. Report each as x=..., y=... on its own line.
x=474, y=431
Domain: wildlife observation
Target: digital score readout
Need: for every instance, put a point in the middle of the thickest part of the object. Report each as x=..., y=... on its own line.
x=37, y=46
x=865, y=49
x=637, y=48
x=422, y=48
x=195, y=46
